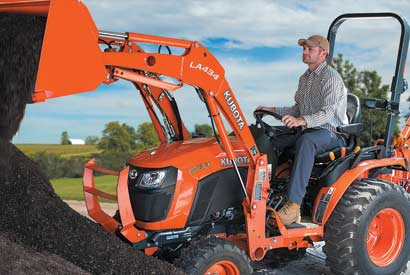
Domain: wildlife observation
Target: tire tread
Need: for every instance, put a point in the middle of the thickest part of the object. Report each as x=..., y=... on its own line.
x=341, y=230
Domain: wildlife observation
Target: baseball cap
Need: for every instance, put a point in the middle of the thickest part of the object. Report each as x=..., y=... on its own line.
x=315, y=41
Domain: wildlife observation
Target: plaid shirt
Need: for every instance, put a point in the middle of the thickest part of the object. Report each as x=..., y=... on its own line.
x=321, y=99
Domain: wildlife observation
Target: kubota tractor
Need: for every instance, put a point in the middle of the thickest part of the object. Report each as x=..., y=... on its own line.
x=210, y=203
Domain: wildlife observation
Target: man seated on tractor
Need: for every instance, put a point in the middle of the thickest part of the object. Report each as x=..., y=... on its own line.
x=320, y=107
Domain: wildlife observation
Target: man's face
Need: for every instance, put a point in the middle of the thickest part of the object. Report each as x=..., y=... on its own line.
x=313, y=55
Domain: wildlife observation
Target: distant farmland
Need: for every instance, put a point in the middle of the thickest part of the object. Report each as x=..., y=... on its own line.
x=65, y=151
x=72, y=189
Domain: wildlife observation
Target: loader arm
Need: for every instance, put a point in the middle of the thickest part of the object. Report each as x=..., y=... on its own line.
x=151, y=95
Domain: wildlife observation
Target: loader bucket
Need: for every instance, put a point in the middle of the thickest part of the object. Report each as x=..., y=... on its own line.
x=34, y=7
x=70, y=60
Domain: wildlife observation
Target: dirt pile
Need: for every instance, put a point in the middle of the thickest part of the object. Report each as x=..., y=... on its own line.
x=31, y=214
x=22, y=260
x=35, y=216
x=20, y=49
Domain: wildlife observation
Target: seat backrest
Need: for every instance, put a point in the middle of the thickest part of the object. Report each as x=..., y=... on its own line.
x=353, y=108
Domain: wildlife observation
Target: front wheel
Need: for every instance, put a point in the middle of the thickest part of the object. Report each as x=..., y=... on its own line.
x=214, y=256
x=369, y=230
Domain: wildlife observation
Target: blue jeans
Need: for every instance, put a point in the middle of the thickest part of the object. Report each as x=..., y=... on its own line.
x=307, y=144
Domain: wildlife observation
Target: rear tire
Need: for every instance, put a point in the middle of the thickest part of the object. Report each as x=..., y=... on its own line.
x=216, y=256
x=369, y=230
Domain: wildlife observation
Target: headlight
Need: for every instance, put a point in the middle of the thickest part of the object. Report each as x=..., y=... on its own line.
x=151, y=179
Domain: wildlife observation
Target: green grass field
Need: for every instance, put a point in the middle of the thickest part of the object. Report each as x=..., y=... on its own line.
x=72, y=188
x=65, y=151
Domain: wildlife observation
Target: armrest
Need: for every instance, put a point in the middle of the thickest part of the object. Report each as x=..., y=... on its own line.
x=352, y=129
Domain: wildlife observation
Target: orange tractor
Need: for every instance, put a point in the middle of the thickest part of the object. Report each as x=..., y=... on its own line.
x=210, y=203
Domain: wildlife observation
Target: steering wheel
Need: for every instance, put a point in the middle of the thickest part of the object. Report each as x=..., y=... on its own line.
x=273, y=131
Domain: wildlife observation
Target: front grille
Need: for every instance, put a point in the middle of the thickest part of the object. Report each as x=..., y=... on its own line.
x=151, y=205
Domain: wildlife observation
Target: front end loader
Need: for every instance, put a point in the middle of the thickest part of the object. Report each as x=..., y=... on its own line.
x=209, y=204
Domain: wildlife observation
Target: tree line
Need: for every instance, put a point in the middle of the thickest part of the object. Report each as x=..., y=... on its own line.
x=366, y=84
x=117, y=144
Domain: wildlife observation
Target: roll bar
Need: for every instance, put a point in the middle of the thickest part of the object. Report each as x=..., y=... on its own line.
x=399, y=84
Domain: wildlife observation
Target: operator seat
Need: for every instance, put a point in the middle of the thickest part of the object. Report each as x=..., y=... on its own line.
x=353, y=130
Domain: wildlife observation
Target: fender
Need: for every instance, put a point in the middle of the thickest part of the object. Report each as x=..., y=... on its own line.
x=329, y=197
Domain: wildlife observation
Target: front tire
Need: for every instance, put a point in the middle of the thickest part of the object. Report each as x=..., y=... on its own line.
x=369, y=230
x=214, y=256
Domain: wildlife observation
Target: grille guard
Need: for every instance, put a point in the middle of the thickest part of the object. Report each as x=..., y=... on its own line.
x=91, y=195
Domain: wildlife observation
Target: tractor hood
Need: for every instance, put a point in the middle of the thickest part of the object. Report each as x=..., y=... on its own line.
x=191, y=155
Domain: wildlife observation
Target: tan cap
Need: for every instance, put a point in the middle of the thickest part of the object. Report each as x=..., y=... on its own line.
x=315, y=41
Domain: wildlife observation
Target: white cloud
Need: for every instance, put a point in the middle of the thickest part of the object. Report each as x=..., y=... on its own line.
x=253, y=23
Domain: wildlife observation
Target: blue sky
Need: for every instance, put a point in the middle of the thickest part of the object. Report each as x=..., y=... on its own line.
x=255, y=41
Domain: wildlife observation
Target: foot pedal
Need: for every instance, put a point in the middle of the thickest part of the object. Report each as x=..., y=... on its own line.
x=306, y=222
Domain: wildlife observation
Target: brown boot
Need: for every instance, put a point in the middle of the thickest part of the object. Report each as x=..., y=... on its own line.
x=290, y=213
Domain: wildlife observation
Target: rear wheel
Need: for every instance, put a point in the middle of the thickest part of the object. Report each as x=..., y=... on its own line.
x=214, y=256
x=369, y=230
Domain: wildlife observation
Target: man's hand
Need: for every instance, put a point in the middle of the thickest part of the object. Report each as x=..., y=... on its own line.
x=291, y=121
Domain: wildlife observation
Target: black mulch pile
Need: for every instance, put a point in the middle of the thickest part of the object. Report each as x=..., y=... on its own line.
x=32, y=216
x=20, y=47
x=36, y=217
x=22, y=260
